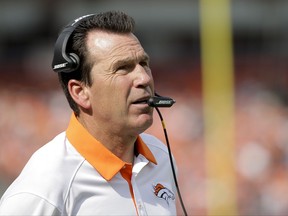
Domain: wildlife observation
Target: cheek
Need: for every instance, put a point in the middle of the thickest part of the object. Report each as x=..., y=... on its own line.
x=111, y=92
x=105, y=97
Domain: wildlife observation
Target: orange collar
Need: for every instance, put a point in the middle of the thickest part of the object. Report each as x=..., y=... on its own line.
x=103, y=160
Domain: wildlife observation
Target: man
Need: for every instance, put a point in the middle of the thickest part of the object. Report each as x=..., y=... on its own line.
x=102, y=164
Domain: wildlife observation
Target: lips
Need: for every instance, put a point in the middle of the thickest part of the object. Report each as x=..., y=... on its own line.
x=141, y=100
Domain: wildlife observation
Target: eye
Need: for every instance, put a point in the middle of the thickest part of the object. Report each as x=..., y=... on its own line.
x=125, y=68
x=122, y=67
x=144, y=63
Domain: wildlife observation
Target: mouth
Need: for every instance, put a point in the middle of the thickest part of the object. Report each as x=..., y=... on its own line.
x=141, y=100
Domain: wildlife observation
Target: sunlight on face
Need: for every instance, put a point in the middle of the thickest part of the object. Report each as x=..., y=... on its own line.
x=102, y=44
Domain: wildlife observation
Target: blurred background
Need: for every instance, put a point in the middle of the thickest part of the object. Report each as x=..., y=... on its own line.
x=33, y=107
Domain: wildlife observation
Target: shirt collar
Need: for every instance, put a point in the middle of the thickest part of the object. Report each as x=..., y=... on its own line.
x=103, y=160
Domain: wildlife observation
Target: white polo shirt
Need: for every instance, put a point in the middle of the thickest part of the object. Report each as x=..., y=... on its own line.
x=74, y=174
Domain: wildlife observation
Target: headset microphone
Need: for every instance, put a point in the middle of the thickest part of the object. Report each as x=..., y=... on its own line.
x=159, y=101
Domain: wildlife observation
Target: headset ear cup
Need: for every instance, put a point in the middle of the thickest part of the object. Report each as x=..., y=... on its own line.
x=75, y=61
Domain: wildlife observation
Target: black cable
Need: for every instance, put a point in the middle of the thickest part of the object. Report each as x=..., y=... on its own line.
x=171, y=161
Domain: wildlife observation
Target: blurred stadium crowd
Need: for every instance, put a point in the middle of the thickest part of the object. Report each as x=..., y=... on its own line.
x=33, y=108
x=31, y=115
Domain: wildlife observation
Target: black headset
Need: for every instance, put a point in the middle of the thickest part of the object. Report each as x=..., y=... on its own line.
x=63, y=61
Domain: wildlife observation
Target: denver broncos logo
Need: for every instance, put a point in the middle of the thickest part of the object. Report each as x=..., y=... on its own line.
x=163, y=192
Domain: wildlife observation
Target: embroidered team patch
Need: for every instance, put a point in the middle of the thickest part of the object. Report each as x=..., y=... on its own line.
x=163, y=193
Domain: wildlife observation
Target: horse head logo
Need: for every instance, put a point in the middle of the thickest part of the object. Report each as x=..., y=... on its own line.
x=163, y=193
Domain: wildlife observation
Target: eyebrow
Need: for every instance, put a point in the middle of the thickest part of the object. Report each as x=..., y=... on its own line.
x=144, y=57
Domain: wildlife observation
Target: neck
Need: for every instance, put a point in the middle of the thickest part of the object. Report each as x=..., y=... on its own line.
x=120, y=145
x=124, y=149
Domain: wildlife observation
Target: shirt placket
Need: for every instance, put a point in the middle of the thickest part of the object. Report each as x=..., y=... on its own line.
x=139, y=163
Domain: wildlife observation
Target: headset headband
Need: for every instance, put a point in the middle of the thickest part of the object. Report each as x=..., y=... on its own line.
x=63, y=61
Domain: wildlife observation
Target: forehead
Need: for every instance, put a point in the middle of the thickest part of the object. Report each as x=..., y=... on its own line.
x=103, y=45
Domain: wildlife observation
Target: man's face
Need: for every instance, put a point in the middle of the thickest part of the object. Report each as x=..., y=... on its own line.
x=121, y=82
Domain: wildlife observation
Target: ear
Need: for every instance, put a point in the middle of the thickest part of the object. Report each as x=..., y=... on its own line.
x=79, y=93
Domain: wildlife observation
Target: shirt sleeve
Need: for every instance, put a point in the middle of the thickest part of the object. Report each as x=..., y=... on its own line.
x=27, y=204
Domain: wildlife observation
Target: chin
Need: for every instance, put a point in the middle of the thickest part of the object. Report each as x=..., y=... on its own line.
x=147, y=125
x=141, y=127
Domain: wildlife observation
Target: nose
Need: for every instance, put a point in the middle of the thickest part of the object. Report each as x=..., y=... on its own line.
x=143, y=77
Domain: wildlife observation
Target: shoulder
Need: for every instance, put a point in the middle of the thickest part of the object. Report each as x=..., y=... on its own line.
x=51, y=159
x=47, y=175
x=154, y=143
x=27, y=204
x=158, y=149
